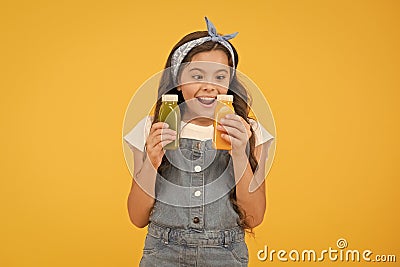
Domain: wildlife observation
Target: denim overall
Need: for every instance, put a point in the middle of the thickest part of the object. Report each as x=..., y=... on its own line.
x=193, y=222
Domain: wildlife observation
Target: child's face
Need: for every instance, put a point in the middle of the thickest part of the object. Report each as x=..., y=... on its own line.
x=202, y=79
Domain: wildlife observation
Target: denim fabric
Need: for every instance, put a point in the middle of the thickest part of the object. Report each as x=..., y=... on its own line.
x=166, y=246
x=193, y=222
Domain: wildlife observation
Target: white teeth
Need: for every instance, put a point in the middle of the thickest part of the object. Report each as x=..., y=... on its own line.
x=206, y=100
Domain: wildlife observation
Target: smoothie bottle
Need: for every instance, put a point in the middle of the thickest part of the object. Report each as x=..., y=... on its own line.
x=224, y=107
x=170, y=114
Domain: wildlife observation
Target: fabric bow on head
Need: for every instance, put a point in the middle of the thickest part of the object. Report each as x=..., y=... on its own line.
x=215, y=37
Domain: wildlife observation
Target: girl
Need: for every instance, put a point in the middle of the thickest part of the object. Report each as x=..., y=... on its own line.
x=198, y=201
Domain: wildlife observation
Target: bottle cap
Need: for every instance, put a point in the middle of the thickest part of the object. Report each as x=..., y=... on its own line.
x=225, y=98
x=173, y=98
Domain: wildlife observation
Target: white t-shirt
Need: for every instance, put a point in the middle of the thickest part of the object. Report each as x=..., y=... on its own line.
x=138, y=135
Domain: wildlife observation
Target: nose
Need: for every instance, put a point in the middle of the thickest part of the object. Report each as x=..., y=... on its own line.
x=208, y=87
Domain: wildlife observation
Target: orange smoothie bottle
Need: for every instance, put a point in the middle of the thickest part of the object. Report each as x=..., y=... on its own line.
x=224, y=107
x=170, y=114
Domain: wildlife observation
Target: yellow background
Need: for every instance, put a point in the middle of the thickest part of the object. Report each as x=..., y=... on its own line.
x=329, y=70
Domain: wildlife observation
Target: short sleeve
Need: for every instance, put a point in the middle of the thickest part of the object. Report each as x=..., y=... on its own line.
x=138, y=135
x=261, y=134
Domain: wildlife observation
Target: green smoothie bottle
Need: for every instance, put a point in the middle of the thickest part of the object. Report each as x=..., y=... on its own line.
x=170, y=114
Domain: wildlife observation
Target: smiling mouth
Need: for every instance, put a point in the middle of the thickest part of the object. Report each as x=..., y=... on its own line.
x=206, y=100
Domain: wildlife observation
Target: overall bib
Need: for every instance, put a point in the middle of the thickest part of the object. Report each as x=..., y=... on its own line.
x=193, y=222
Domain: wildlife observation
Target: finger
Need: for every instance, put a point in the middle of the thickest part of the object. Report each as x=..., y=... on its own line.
x=159, y=125
x=168, y=138
x=247, y=125
x=237, y=118
x=233, y=141
x=155, y=142
x=162, y=131
x=166, y=142
x=166, y=135
x=233, y=117
x=234, y=132
x=234, y=123
x=227, y=138
x=162, y=144
x=167, y=131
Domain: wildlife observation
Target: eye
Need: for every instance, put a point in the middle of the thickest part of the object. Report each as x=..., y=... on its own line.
x=221, y=77
x=197, y=77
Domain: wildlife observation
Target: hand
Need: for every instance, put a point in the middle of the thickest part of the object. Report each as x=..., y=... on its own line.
x=159, y=136
x=237, y=132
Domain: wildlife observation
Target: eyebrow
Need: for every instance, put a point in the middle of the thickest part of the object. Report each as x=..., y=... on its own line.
x=224, y=70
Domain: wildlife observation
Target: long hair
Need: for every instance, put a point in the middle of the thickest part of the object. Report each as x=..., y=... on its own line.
x=241, y=99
